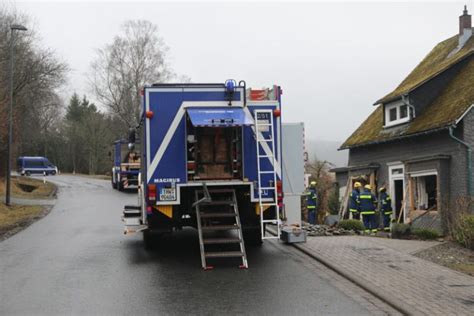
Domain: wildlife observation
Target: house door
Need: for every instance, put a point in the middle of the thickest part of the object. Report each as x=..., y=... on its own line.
x=397, y=187
x=397, y=196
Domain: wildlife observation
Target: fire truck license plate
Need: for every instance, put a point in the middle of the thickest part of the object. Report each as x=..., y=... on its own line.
x=167, y=194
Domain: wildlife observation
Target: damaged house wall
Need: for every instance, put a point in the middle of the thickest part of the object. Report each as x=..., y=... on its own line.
x=452, y=175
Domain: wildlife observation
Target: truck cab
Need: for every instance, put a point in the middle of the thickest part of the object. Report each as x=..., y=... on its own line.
x=126, y=165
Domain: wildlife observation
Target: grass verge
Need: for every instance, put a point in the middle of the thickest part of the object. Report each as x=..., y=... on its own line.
x=29, y=188
x=17, y=217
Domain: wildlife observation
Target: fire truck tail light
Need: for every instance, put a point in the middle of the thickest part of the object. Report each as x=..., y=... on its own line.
x=279, y=189
x=152, y=192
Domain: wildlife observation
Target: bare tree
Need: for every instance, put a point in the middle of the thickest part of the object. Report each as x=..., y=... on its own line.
x=135, y=58
x=319, y=171
x=38, y=73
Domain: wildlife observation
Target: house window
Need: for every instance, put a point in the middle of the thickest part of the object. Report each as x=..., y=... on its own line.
x=397, y=171
x=396, y=113
x=403, y=111
x=393, y=114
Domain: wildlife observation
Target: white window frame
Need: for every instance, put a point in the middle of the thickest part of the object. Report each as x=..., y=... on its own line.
x=425, y=173
x=392, y=178
x=396, y=104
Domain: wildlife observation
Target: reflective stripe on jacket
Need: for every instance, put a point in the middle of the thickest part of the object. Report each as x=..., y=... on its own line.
x=385, y=203
x=368, y=202
x=354, y=201
x=311, y=197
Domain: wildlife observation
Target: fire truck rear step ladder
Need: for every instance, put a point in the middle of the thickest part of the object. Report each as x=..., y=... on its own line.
x=132, y=219
x=264, y=124
x=210, y=220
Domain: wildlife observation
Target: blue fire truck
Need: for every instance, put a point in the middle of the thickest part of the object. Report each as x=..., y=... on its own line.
x=211, y=159
x=126, y=165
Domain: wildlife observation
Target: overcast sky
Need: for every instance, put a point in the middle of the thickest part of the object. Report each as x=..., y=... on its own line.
x=333, y=60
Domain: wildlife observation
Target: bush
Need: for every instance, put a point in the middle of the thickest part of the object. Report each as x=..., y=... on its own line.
x=333, y=202
x=426, y=233
x=400, y=230
x=351, y=224
x=464, y=231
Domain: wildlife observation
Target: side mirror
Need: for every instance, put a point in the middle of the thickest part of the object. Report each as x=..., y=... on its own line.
x=131, y=138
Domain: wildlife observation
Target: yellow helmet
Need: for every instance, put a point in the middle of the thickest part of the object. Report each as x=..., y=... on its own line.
x=382, y=189
x=357, y=184
x=313, y=183
x=368, y=187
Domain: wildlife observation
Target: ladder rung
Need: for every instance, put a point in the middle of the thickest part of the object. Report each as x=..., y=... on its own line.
x=215, y=215
x=224, y=254
x=220, y=227
x=265, y=156
x=268, y=204
x=217, y=202
x=267, y=188
x=209, y=241
x=275, y=221
x=132, y=207
x=264, y=139
x=263, y=124
x=132, y=211
x=267, y=172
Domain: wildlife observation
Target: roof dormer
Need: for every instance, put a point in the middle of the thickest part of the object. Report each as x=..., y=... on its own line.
x=397, y=112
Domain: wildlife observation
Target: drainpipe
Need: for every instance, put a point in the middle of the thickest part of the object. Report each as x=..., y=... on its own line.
x=469, y=160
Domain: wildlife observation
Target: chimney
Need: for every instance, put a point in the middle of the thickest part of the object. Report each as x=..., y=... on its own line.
x=465, y=29
x=464, y=21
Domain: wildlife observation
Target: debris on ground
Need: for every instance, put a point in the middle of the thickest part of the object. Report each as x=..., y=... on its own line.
x=324, y=230
x=450, y=255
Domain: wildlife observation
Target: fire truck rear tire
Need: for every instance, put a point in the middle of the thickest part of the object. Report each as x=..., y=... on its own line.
x=114, y=185
x=119, y=186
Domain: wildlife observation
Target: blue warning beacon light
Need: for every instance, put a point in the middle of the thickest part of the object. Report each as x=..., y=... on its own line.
x=230, y=85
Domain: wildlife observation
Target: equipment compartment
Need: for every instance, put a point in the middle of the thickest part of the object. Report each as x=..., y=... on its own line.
x=214, y=153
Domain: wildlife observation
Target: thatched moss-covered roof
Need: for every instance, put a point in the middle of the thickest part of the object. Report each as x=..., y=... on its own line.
x=446, y=109
x=437, y=61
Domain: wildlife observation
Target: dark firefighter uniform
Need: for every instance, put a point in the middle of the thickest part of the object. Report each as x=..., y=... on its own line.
x=385, y=208
x=368, y=203
x=354, y=207
x=312, y=202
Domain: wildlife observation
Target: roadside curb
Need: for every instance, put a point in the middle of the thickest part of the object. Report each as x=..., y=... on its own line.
x=354, y=279
x=54, y=193
x=25, y=224
x=47, y=206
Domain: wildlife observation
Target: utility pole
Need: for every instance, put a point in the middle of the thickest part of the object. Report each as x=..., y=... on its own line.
x=13, y=28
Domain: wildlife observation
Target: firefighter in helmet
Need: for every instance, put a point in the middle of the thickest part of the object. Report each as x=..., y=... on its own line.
x=368, y=204
x=385, y=208
x=354, y=206
x=312, y=202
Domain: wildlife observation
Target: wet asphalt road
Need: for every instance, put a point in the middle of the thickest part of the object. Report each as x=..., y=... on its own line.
x=77, y=261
